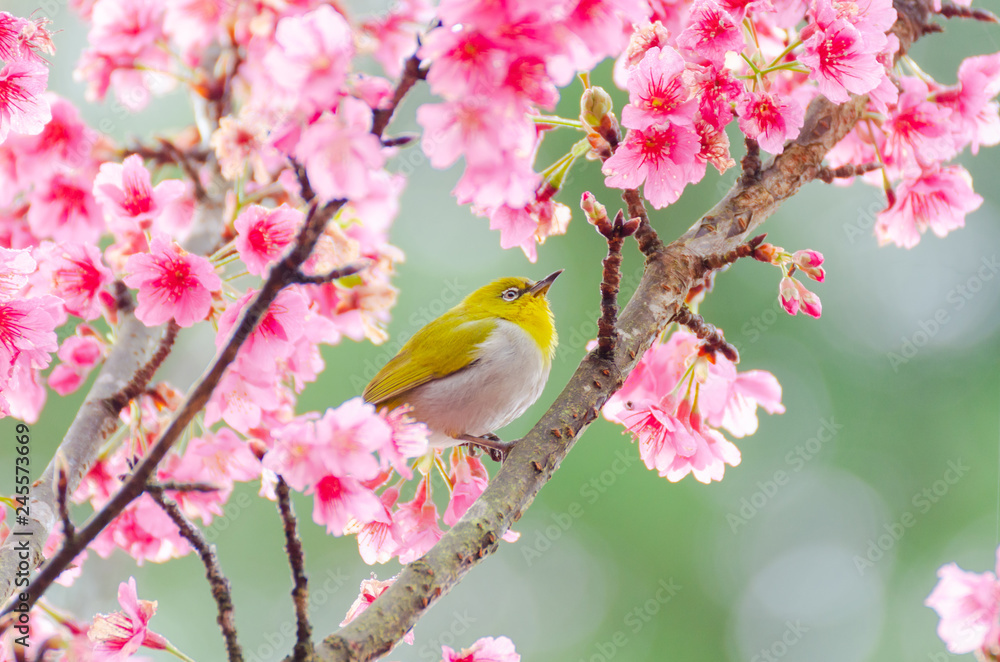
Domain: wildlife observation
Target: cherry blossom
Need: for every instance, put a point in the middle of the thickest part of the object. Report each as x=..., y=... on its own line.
x=664, y=158
x=23, y=107
x=172, y=284
x=969, y=605
x=937, y=198
x=125, y=192
x=486, y=649
x=769, y=120
x=123, y=633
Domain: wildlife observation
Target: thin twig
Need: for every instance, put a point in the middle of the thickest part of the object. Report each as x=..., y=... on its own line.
x=411, y=74
x=62, y=487
x=174, y=486
x=743, y=250
x=296, y=559
x=827, y=174
x=218, y=582
x=330, y=276
x=954, y=11
x=712, y=337
x=143, y=375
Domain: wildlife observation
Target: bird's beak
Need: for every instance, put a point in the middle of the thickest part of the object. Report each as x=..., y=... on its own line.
x=542, y=286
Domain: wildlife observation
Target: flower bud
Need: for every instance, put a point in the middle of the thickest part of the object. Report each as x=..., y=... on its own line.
x=595, y=104
x=809, y=261
x=789, y=296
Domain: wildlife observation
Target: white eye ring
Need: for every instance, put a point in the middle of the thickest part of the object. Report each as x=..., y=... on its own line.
x=510, y=294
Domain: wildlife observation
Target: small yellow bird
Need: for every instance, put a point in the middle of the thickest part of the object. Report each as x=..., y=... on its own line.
x=475, y=368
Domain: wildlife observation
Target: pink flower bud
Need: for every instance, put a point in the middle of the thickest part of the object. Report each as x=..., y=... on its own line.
x=808, y=262
x=789, y=296
x=810, y=302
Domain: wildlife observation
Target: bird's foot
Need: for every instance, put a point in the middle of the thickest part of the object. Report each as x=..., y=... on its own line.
x=491, y=443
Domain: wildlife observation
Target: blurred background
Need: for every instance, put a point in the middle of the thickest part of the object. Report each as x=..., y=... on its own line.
x=821, y=545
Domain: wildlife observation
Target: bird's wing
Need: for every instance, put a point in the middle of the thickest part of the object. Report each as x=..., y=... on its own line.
x=442, y=352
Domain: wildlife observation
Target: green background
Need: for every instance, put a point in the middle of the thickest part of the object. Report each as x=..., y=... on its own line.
x=792, y=556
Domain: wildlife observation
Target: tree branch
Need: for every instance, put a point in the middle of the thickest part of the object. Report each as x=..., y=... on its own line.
x=296, y=559
x=664, y=285
x=221, y=590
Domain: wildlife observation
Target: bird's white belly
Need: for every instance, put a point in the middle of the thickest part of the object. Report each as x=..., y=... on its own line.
x=488, y=394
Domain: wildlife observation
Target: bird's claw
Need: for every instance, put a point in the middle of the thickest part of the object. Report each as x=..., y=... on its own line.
x=491, y=443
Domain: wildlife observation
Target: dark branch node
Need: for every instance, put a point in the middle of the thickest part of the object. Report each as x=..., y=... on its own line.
x=336, y=274
x=827, y=174
x=709, y=334
x=713, y=262
x=750, y=163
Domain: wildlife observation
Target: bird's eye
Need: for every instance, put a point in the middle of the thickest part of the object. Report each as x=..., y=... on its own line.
x=510, y=294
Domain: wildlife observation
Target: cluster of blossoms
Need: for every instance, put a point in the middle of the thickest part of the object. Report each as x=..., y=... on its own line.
x=678, y=395
x=969, y=606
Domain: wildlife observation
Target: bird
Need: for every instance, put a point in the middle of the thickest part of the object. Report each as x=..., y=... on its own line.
x=477, y=367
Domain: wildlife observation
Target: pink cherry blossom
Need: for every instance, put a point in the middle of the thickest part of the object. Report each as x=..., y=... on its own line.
x=918, y=129
x=370, y=590
x=379, y=539
x=469, y=478
x=968, y=604
x=665, y=158
x=872, y=18
x=275, y=335
x=657, y=95
x=418, y=524
x=124, y=51
x=530, y=225
x=467, y=62
x=65, y=143
x=340, y=153
x=972, y=101
x=172, y=283
x=676, y=445
x=20, y=38
x=125, y=192
x=937, y=198
x=795, y=297
x=673, y=398
x=769, y=119
x=840, y=63
x=338, y=500
x=27, y=331
x=477, y=128
x=23, y=106
x=396, y=31
x=144, y=532
x=76, y=274
x=311, y=57
x=486, y=649
x=120, y=634
x=263, y=234
x=79, y=355
x=15, y=267
x=712, y=32
x=409, y=440
x=63, y=209
x=714, y=88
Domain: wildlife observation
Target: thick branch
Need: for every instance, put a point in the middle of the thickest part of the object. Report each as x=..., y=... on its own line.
x=662, y=290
